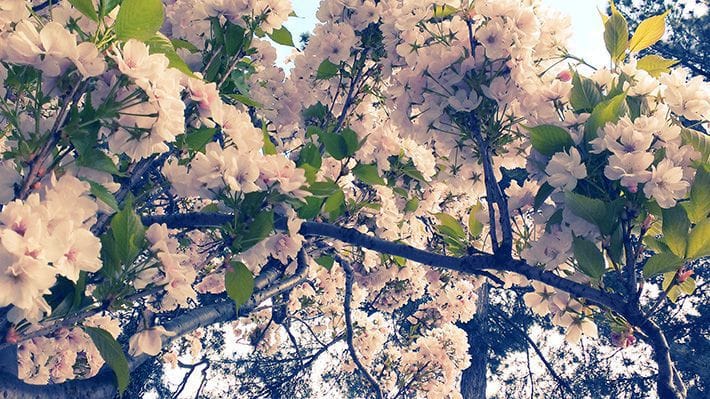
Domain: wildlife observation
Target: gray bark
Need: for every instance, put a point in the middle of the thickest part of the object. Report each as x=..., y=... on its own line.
x=473, y=379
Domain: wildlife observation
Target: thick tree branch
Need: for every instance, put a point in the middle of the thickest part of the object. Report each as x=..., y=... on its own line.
x=473, y=264
x=103, y=385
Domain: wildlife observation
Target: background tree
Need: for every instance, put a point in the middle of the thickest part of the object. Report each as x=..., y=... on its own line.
x=688, y=30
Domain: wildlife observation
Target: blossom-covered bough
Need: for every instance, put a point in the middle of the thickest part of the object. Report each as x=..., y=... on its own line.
x=159, y=166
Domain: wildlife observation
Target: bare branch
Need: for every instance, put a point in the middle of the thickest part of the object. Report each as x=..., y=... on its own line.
x=349, y=279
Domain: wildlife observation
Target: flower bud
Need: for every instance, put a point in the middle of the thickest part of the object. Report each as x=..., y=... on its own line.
x=565, y=75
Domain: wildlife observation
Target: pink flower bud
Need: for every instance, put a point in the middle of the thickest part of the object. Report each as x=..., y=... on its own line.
x=564, y=76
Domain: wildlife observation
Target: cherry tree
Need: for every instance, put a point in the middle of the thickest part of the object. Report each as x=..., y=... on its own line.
x=162, y=174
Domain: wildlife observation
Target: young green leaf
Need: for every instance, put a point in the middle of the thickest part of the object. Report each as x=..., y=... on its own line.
x=239, y=282
x=654, y=64
x=310, y=155
x=450, y=226
x=475, y=227
x=699, y=240
x=269, y=147
x=282, y=36
x=698, y=207
x=128, y=233
x=648, y=32
x=112, y=354
x=675, y=230
x=138, y=19
x=606, y=111
x=616, y=36
x=444, y=10
x=700, y=142
x=585, y=94
x=589, y=259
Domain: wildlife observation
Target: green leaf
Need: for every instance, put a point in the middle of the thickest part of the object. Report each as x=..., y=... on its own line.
x=245, y=100
x=107, y=6
x=549, y=139
x=269, y=147
x=595, y=211
x=100, y=192
x=112, y=354
x=700, y=142
x=311, y=209
x=323, y=188
x=160, y=44
x=259, y=228
x=368, y=174
x=94, y=158
x=606, y=111
x=585, y=94
x=282, y=36
x=444, y=11
x=86, y=7
x=475, y=227
x=648, y=32
x=616, y=245
x=335, y=204
x=542, y=194
x=663, y=262
x=698, y=207
x=310, y=154
x=138, y=19
x=351, y=142
x=616, y=36
x=184, y=44
x=128, y=233
x=326, y=261
x=450, y=226
x=687, y=286
x=699, y=240
x=197, y=140
x=234, y=38
x=411, y=205
x=327, y=70
x=239, y=282
x=675, y=230
x=655, y=65
x=589, y=259
x=334, y=144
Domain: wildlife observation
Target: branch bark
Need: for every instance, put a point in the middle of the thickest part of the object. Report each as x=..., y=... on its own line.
x=473, y=264
x=102, y=386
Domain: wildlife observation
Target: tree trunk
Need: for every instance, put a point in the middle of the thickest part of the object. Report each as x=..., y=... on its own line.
x=473, y=380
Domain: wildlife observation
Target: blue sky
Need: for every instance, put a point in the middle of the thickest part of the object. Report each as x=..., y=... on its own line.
x=586, y=43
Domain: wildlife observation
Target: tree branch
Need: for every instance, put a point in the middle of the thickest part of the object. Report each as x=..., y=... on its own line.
x=349, y=279
x=103, y=385
x=472, y=264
